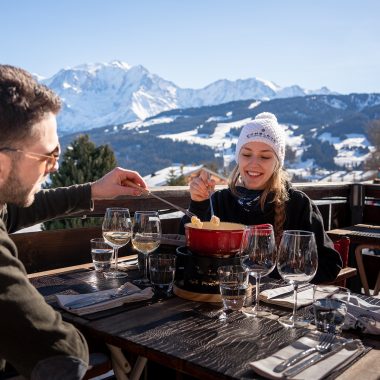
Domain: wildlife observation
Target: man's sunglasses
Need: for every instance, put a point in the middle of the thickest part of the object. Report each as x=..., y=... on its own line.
x=51, y=159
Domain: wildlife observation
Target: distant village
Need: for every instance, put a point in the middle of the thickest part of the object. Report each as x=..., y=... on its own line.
x=178, y=174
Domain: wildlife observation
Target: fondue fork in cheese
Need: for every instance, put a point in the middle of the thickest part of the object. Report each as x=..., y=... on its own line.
x=196, y=221
x=215, y=220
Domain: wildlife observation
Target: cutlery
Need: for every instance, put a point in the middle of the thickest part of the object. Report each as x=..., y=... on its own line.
x=319, y=357
x=323, y=346
x=95, y=298
x=301, y=288
x=148, y=192
x=343, y=365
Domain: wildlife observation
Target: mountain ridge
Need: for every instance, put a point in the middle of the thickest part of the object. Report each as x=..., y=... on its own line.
x=99, y=94
x=324, y=133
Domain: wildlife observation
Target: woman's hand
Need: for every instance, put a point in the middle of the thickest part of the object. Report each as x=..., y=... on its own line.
x=201, y=187
x=115, y=183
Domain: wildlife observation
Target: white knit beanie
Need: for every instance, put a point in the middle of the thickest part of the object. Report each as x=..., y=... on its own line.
x=264, y=128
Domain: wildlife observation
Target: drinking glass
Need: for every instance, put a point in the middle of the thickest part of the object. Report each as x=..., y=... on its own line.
x=258, y=257
x=233, y=284
x=101, y=254
x=297, y=264
x=330, y=307
x=117, y=232
x=162, y=268
x=146, y=237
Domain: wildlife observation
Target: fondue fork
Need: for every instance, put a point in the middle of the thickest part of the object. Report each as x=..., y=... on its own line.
x=211, y=205
x=148, y=192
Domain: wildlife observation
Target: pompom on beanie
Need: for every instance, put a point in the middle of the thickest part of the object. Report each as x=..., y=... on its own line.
x=264, y=128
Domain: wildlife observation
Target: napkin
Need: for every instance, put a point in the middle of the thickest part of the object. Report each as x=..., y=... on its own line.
x=283, y=296
x=363, y=316
x=135, y=294
x=336, y=362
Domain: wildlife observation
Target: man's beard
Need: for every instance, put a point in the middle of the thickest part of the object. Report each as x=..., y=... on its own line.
x=14, y=192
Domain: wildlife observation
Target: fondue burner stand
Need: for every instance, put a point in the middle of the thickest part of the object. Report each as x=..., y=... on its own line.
x=196, y=275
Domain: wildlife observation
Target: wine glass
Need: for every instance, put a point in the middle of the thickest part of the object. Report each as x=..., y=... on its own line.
x=258, y=257
x=146, y=237
x=117, y=233
x=297, y=264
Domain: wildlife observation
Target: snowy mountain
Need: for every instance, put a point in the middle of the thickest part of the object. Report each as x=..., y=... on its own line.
x=325, y=133
x=104, y=94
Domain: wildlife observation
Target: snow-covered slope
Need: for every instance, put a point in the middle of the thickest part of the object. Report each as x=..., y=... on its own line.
x=101, y=94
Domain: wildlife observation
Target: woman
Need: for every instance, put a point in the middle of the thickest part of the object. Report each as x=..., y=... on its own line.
x=259, y=192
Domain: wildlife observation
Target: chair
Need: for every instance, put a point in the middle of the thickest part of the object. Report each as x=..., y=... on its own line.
x=342, y=245
x=99, y=364
x=362, y=273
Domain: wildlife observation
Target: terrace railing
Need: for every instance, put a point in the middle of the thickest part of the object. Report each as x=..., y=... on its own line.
x=341, y=204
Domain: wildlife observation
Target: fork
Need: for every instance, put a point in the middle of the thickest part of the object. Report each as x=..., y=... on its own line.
x=210, y=192
x=324, y=345
x=129, y=183
x=349, y=344
x=211, y=206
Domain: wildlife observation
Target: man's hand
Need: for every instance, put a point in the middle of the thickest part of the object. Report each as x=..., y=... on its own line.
x=115, y=183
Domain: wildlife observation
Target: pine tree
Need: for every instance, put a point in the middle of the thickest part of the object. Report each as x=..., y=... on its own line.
x=373, y=130
x=82, y=162
x=174, y=180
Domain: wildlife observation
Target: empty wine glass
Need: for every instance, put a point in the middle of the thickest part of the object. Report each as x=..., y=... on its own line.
x=146, y=237
x=297, y=264
x=258, y=257
x=117, y=233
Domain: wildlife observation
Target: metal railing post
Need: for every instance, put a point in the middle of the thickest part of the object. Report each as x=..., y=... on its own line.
x=357, y=203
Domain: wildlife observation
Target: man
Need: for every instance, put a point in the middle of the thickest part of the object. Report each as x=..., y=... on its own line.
x=33, y=337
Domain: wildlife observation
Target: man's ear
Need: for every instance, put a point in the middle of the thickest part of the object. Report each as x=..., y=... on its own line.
x=5, y=167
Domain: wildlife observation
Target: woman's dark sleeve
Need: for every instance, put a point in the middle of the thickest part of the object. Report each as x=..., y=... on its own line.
x=303, y=214
x=329, y=260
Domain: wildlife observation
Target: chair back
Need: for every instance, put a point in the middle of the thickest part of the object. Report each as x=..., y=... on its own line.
x=342, y=245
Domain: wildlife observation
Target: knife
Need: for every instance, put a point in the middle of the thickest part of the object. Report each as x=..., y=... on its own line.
x=83, y=302
x=315, y=359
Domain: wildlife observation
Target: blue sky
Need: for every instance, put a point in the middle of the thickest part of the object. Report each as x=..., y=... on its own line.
x=312, y=43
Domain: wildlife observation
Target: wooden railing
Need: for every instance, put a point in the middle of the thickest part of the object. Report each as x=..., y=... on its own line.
x=341, y=205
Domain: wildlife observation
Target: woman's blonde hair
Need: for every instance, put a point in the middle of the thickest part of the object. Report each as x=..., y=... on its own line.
x=276, y=185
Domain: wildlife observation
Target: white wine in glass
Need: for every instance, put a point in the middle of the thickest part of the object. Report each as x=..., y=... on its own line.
x=117, y=230
x=146, y=237
x=297, y=264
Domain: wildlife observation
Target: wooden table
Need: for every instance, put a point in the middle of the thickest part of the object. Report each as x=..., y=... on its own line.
x=358, y=234
x=186, y=335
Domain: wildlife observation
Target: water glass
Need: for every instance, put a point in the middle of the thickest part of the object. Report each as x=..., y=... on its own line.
x=101, y=254
x=162, y=272
x=330, y=308
x=233, y=284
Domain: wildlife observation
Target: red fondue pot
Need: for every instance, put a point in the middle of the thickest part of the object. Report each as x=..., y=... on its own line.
x=211, y=240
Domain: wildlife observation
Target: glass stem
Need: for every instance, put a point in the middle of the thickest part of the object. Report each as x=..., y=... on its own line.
x=146, y=267
x=257, y=307
x=116, y=249
x=295, y=288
